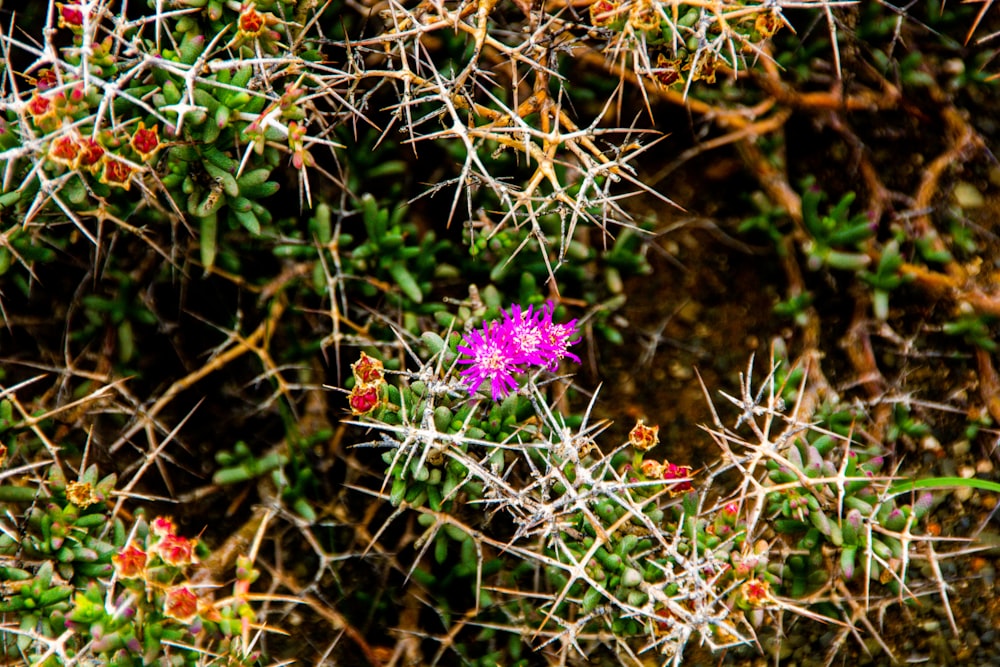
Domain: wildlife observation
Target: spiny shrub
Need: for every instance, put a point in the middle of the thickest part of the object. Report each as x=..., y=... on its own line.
x=178, y=124
x=629, y=546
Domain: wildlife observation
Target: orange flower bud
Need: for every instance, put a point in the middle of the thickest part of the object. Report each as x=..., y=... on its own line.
x=66, y=149
x=43, y=111
x=130, y=562
x=603, y=13
x=767, y=23
x=91, y=153
x=181, y=604
x=251, y=22
x=643, y=437
x=117, y=173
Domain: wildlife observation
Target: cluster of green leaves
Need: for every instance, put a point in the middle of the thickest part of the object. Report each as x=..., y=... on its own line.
x=64, y=530
x=181, y=124
x=836, y=240
x=67, y=558
x=838, y=508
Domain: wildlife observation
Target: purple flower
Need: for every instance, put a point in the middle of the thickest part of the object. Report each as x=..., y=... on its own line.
x=492, y=357
x=558, y=337
x=527, y=335
x=522, y=340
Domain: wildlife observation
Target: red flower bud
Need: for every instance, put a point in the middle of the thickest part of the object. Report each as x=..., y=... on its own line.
x=367, y=370
x=117, y=173
x=145, y=141
x=363, y=399
x=251, y=22
x=130, y=562
x=181, y=604
x=66, y=150
x=70, y=16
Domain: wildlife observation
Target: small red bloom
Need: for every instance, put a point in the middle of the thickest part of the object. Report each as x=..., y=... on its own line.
x=176, y=550
x=363, y=399
x=145, y=141
x=90, y=154
x=116, y=173
x=251, y=22
x=674, y=471
x=39, y=106
x=130, y=563
x=70, y=16
x=181, y=604
x=367, y=370
x=162, y=526
x=66, y=149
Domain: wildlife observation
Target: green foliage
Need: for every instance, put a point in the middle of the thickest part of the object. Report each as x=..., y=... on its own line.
x=974, y=328
x=73, y=558
x=835, y=233
x=240, y=465
x=885, y=278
